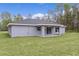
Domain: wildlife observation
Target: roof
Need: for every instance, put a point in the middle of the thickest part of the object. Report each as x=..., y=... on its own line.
x=35, y=22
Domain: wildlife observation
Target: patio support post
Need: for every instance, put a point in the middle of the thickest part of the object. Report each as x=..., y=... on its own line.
x=43, y=31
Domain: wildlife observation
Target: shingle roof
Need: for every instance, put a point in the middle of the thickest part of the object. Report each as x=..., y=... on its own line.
x=36, y=21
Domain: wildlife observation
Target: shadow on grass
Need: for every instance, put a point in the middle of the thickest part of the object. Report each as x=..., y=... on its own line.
x=4, y=35
x=7, y=35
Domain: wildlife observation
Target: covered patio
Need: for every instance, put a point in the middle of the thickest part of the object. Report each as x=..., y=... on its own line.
x=51, y=30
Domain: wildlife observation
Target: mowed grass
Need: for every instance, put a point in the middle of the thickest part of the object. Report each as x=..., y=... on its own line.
x=68, y=44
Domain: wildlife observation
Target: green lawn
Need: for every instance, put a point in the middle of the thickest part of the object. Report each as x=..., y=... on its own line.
x=68, y=44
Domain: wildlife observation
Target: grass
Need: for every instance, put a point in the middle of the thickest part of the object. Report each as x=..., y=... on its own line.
x=65, y=45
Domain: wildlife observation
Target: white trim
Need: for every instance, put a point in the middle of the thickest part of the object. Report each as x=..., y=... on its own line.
x=11, y=24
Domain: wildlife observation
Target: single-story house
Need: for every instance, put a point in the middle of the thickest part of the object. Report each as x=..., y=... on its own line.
x=34, y=27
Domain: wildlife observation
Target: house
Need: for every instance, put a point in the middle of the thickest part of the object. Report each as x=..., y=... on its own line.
x=34, y=27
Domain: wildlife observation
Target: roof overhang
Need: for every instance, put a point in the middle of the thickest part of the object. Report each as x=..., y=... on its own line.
x=18, y=24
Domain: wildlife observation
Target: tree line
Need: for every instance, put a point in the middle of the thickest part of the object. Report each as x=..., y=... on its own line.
x=69, y=16
x=6, y=17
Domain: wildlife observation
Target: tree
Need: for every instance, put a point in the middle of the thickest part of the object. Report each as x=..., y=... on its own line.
x=64, y=18
x=75, y=17
x=4, y=25
x=71, y=17
x=0, y=25
x=18, y=17
x=50, y=12
x=6, y=18
x=59, y=12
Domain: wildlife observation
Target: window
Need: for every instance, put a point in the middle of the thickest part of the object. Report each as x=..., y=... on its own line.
x=39, y=28
x=49, y=30
x=57, y=29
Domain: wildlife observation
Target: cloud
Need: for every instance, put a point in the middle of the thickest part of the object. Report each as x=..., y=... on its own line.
x=24, y=17
x=42, y=3
x=40, y=15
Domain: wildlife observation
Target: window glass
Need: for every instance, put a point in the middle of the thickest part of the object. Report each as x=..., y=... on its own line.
x=39, y=28
x=57, y=29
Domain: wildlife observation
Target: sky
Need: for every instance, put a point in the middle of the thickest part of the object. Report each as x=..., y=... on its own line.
x=26, y=8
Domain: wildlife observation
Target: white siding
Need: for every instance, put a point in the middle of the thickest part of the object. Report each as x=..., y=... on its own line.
x=9, y=30
x=62, y=30
x=53, y=31
x=15, y=31
x=24, y=31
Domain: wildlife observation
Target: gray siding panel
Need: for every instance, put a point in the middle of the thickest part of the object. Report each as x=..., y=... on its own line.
x=62, y=30
x=9, y=30
x=24, y=31
x=15, y=31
